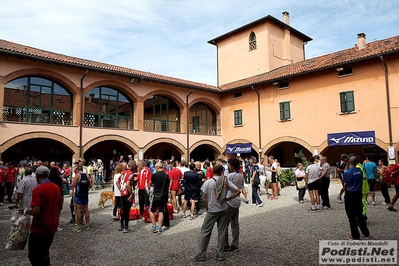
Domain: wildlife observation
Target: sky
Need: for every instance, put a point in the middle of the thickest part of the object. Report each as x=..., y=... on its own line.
x=169, y=37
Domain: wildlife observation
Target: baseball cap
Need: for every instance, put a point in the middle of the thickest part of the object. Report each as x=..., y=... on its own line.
x=42, y=170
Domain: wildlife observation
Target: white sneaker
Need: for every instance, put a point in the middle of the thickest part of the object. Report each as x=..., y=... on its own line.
x=373, y=203
x=260, y=205
x=384, y=203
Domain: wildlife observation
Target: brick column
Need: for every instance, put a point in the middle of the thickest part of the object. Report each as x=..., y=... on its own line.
x=139, y=114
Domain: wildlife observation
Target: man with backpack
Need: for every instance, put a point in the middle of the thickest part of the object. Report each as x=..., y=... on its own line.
x=81, y=184
x=214, y=196
x=391, y=175
x=255, y=181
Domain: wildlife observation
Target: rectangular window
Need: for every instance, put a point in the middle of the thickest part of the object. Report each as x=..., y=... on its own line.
x=284, y=85
x=237, y=95
x=238, y=118
x=347, y=101
x=345, y=72
x=285, y=113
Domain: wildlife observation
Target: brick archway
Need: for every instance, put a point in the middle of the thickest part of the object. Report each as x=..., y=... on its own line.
x=212, y=104
x=276, y=141
x=168, y=94
x=128, y=142
x=210, y=143
x=45, y=73
x=40, y=134
x=116, y=85
x=170, y=141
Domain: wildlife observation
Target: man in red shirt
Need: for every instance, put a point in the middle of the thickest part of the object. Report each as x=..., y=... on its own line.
x=11, y=180
x=174, y=175
x=45, y=208
x=124, y=185
x=143, y=183
x=209, y=171
x=396, y=196
x=2, y=182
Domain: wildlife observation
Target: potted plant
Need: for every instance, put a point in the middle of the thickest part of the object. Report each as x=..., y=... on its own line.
x=286, y=177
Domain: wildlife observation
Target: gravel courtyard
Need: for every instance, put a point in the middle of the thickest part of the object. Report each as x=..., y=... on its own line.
x=282, y=232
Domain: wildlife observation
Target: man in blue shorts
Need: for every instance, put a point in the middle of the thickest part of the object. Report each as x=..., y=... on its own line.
x=81, y=184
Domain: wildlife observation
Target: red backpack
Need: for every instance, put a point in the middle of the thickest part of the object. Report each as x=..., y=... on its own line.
x=390, y=174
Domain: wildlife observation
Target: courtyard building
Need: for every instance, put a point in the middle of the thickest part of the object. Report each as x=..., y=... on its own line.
x=270, y=99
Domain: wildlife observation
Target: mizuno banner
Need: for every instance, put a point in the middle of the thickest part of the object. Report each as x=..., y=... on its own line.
x=239, y=148
x=351, y=138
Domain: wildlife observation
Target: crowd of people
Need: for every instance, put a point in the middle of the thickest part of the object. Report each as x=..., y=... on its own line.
x=188, y=187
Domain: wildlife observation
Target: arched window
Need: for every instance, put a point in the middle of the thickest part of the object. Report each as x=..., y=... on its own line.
x=203, y=119
x=252, y=41
x=37, y=100
x=161, y=114
x=107, y=107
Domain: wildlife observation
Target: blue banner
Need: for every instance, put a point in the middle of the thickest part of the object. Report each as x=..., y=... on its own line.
x=351, y=138
x=239, y=148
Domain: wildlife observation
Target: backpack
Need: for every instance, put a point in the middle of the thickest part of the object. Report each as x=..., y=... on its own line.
x=83, y=179
x=390, y=174
x=220, y=189
x=255, y=169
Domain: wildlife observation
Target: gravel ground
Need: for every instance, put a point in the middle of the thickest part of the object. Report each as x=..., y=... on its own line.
x=282, y=232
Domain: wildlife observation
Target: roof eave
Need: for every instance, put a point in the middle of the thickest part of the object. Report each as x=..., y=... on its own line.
x=108, y=71
x=268, y=17
x=307, y=72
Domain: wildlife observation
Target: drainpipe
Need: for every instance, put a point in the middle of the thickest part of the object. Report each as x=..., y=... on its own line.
x=388, y=101
x=188, y=129
x=259, y=125
x=81, y=115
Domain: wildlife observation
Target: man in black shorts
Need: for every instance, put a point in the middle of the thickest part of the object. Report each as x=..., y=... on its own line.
x=312, y=179
x=190, y=192
x=160, y=181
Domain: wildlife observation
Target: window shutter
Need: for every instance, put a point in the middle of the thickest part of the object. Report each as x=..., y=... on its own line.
x=350, y=101
x=342, y=96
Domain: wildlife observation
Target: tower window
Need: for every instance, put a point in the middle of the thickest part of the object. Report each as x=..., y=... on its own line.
x=252, y=41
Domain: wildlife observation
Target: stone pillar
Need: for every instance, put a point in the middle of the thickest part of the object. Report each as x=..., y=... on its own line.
x=139, y=114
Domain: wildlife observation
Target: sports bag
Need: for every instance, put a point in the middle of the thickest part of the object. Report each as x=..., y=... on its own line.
x=390, y=174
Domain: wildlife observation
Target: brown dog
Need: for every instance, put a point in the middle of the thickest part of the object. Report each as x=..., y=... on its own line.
x=105, y=195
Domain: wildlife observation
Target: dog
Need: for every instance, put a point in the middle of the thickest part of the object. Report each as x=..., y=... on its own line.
x=105, y=195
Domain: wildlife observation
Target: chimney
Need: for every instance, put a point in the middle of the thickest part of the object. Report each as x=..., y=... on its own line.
x=286, y=17
x=361, y=41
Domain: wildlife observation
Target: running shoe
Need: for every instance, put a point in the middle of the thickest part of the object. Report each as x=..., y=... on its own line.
x=339, y=199
x=260, y=205
x=154, y=229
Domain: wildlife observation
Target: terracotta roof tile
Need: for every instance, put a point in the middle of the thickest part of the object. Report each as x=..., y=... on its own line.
x=26, y=51
x=340, y=58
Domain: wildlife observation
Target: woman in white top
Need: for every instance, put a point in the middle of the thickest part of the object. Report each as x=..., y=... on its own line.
x=116, y=202
x=300, y=181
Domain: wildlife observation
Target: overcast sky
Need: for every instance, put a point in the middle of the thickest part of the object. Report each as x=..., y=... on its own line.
x=170, y=37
